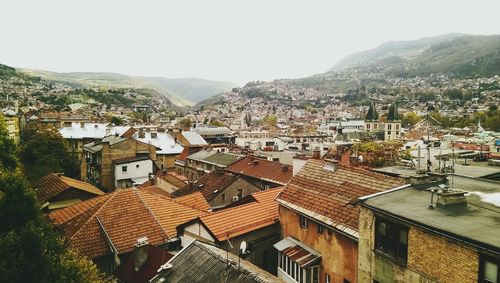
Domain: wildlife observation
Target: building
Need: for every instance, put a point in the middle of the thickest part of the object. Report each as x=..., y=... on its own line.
x=431, y=234
x=99, y=165
x=319, y=221
x=372, y=122
x=263, y=173
x=203, y=262
x=392, y=126
x=170, y=181
x=77, y=134
x=215, y=135
x=130, y=171
x=108, y=226
x=205, y=161
x=220, y=188
x=57, y=191
x=255, y=222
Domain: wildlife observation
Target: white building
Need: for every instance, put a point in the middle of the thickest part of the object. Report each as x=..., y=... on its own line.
x=132, y=171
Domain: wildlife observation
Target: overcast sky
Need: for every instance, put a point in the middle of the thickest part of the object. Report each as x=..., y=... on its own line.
x=221, y=40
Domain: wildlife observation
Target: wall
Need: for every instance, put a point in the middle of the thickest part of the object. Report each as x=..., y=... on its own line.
x=232, y=190
x=430, y=258
x=136, y=169
x=339, y=254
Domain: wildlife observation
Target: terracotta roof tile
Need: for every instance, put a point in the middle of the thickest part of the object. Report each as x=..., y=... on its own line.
x=51, y=185
x=215, y=181
x=235, y=221
x=262, y=169
x=328, y=192
x=125, y=215
x=194, y=200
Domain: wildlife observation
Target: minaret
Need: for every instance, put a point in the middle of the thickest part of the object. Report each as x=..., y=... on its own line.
x=371, y=120
x=392, y=127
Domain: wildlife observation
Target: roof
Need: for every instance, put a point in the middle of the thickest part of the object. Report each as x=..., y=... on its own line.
x=372, y=114
x=194, y=138
x=235, y=221
x=266, y=170
x=97, y=146
x=477, y=222
x=130, y=159
x=393, y=114
x=215, y=157
x=325, y=192
x=212, y=130
x=194, y=200
x=89, y=131
x=297, y=251
x=209, y=185
x=52, y=185
x=156, y=258
x=173, y=178
x=164, y=141
x=124, y=216
x=200, y=262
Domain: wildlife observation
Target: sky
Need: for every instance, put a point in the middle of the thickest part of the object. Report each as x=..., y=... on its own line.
x=231, y=40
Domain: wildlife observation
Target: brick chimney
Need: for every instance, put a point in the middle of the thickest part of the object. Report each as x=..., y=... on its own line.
x=345, y=158
x=141, y=133
x=140, y=253
x=317, y=153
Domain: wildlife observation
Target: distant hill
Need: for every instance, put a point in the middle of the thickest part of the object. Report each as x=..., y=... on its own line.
x=458, y=54
x=182, y=92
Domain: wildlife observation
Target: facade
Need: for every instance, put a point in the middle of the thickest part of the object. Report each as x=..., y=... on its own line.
x=205, y=161
x=220, y=188
x=132, y=171
x=391, y=127
x=98, y=165
x=413, y=234
x=319, y=221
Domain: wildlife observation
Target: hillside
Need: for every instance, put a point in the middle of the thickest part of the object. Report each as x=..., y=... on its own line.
x=182, y=92
x=459, y=55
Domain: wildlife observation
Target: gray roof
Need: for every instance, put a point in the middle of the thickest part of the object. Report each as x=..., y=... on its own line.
x=97, y=146
x=199, y=263
x=214, y=157
x=478, y=223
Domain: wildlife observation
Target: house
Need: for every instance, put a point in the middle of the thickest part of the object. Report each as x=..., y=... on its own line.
x=105, y=228
x=170, y=181
x=201, y=262
x=319, y=221
x=214, y=135
x=205, y=161
x=130, y=171
x=58, y=191
x=142, y=264
x=391, y=127
x=99, y=165
x=77, y=134
x=255, y=222
x=220, y=188
x=263, y=173
x=168, y=150
x=445, y=233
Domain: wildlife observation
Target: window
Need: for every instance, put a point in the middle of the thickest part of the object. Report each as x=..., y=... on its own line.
x=240, y=193
x=489, y=271
x=297, y=273
x=327, y=279
x=124, y=169
x=346, y=281
x=392, y=240
x=137, y=166
x=368, y=127
x=223, y=197
x=320, y=228
x=303, y=221
x=397, y=126
x=389, y=126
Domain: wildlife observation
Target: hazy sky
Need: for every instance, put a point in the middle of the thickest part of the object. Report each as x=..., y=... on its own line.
x=221, y=40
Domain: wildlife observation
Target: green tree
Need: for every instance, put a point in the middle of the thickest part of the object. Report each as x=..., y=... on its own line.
x=45, y=152
x=185, y=123
x=8, y=149
x=216, y=123
x=270, y=120
x=117, y=121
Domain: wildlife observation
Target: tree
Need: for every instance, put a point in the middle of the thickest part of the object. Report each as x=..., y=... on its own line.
x=270, y=120
x=8, y=149
x=410, y=118
x=117, y=121
x=378, y=154
x=185, y=123
x=248, y=119
x=216, y=123
x=45, y=152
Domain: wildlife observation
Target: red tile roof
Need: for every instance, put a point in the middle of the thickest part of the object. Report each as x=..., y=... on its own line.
x=51, y=185
x=125, y=216
x=194, y=200
x=235, y=221
x=266, y=170
x=320, y=190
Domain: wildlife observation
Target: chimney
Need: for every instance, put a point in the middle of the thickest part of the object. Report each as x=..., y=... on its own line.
x=447, y=197
x=141, y=133
x=345, y=158
x=317, y=153
x=140, y=253
x=284, y=168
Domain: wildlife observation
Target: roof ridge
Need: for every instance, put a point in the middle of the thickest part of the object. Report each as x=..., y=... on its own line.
x=85, y=210
x=150, y=211
x=233, y=208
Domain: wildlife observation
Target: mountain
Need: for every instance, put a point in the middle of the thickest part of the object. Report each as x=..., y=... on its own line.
x=182, y=92
x=457, y=54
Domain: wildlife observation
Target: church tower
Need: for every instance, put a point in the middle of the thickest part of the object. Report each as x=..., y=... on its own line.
x=392, y=126
x=372, y=123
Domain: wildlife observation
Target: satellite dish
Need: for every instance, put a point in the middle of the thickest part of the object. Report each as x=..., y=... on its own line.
x=243, y=247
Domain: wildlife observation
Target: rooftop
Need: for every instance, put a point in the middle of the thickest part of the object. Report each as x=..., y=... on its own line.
x=52, y=184
x=201, y=262
x=326, y=192
x=215, y=157
x=266, y=170
x=194, y=138
x=477, y=222
x=210, y=185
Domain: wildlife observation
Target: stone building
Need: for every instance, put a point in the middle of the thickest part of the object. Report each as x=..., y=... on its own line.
x=391, y=127
x=431, y=234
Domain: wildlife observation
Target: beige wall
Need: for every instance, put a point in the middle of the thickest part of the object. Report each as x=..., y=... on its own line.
x=232, y=190
x=339, y=254
x=430, y=258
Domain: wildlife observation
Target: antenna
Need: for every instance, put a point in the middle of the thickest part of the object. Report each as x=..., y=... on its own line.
x=242, y=251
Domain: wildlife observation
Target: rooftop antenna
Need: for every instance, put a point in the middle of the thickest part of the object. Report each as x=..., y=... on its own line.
x=242, y=251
